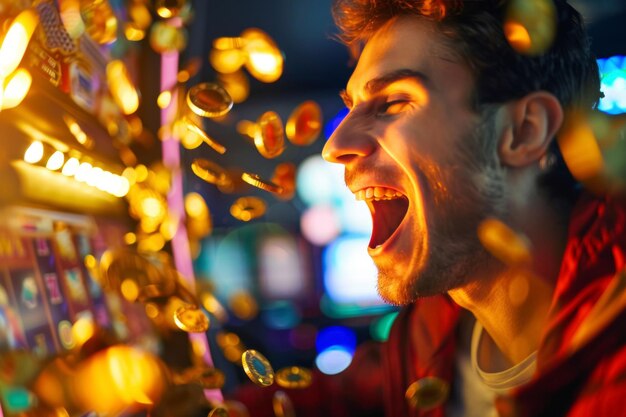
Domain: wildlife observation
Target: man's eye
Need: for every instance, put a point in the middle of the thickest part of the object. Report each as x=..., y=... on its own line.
x=393, y=107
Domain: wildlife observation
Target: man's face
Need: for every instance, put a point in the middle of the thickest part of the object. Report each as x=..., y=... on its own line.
x=415, y=151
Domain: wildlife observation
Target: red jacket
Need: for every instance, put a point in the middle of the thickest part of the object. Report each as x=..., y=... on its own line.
x=581, y=361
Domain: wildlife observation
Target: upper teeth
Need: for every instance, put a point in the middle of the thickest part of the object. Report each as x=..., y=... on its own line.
x=377, y=193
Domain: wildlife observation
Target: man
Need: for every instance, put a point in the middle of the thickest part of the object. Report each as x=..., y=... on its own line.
x=451, y=135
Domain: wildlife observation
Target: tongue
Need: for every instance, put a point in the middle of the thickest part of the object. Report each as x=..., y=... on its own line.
x=386, y=217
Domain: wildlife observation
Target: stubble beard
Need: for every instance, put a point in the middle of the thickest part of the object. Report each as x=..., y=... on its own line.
x=456, y=256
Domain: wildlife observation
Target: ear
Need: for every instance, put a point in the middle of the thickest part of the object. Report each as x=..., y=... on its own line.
x=534, y=120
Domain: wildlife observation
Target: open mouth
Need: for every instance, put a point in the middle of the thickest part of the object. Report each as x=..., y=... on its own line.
x=388, y=208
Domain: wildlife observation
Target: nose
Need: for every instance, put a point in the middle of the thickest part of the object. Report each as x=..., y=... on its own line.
x=349, y=141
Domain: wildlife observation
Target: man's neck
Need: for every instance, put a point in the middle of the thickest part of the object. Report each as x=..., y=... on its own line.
x=513, y=303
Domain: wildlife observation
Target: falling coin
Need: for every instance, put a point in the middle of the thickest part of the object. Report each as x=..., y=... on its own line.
x=427, y=393
x=209, y=171
x=218, y=412
x=285, y=177
x=256, y=181
x=192, y=127
x=209, y=100
x=503, y=242
x=247, y=208
x=282, y=405
x=270, y=136
x=208, y=377
x=293, y=377
x=258, y=368
x=304, y=124
x=191, y=319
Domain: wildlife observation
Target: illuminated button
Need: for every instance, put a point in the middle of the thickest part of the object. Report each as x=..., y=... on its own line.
x=427, y=393
x=258, y=368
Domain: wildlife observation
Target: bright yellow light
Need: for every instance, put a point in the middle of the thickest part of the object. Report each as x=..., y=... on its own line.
x=34, y=153
x=152, y=207
x=130, y=238
x=94, y=176
x=133, y=33
x=16, y=87
x=164, y=12
x=55, y=161
x=122, y=187
x=164, y=99
x=518, y=36
x=71, y=167
x=83, y=330
x=121, y=87
x=129, y=289
x=195, y=205
x=227, y=60
x=141, y=173
x=82, y=173
x=16, y=40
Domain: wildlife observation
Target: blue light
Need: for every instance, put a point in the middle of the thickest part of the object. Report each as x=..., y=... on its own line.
x=613, y=84
x=335, y=121
x=333, y=360
x=336, y=337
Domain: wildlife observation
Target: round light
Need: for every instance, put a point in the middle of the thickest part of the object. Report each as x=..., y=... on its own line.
x=34, y=153
x=333, y=360
x=55, y=161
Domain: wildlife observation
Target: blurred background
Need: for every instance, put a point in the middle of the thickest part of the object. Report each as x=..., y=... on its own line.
x=140, y=209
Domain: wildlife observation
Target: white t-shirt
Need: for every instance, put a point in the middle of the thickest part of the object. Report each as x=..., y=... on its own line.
x=474, y=388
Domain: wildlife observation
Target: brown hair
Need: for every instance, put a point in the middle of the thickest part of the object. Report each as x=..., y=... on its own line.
x=473, y=29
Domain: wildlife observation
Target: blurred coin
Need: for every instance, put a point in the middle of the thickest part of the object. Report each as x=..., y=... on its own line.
x=209, y=171
x=209, y=100
x=191, y=319
x=530, y=26
x=304, y=124
x=282, y=405
x=256, y=181
x=293, y=377
x=258, y=368
x=248, y=208
x=218, y=412
x=285, y=177
x=269, y=138
x=265, y=60
x=208, y=377
x=427, y=393
x=192, y=127
x=504, y=243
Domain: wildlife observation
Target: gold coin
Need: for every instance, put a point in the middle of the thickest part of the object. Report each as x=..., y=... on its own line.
x=282, y=405
x=504, y=243
x=191, y=319
x=207, y=377
x=256, y=181
x=218, y=412
x=192, y=127
x=293, y=377
x=209, y=171
x=304, y=124
x=427, y=393
x=285, y=177
x=117, y=266
x=258, y=368
x=209, y=100
x=247, y=208
x=269, y=138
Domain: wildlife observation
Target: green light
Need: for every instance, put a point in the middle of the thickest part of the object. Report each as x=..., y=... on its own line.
x=18, y=399
x=380, y=328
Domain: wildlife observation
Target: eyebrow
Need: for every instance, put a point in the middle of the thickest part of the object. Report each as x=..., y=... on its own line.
x=377, y=84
